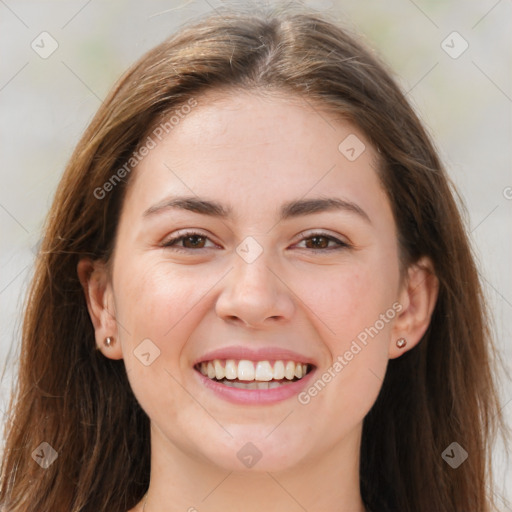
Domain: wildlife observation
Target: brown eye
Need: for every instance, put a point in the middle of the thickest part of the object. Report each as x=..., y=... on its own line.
x=187, y=241
x=318, y=242
x=194, y=240
x=321, y=241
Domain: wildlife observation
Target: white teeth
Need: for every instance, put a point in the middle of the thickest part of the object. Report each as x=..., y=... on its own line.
x=248, y=371
x=245, y=370
x=279, y=370
x=219, y=369
x=264, y=371
x=252, y=385
x=289, y=371
x=231, y=369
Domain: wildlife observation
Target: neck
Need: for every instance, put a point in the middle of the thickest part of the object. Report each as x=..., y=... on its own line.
x=326, y=482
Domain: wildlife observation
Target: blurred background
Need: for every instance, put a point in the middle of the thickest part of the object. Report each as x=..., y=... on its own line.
x=452, y=58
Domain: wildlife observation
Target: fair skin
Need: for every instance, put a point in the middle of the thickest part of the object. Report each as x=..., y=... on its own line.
x=253, y=154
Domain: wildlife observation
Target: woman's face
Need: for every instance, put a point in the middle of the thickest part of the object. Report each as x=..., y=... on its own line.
x=277, y=279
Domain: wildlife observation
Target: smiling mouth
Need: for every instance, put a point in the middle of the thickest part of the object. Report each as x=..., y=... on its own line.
x=246, y=374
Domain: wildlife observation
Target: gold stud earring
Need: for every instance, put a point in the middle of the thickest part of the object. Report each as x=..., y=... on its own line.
x=401, y=342
x=109, y=341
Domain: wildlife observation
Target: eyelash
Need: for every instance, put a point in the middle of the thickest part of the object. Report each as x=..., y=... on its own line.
x=170, y=244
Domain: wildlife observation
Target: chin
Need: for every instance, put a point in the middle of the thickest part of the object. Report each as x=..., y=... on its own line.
x=246, y=453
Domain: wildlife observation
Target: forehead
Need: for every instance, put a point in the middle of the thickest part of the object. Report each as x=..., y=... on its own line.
x=253, y=150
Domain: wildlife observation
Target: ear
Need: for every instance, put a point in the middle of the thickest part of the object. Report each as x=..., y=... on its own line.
x=418, y=297
x=94, y=278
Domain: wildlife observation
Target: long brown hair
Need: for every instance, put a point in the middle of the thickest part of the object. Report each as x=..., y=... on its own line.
x=79, y=402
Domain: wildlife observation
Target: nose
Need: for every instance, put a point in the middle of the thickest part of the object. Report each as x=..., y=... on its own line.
x=255, y=295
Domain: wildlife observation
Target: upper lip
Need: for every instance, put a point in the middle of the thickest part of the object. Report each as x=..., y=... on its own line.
x=254, y=354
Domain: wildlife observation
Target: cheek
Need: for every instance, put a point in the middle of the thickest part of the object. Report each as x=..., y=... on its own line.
x=162, y=302
x=354, y=308
x=155, y=310
x=348, y=298
x=151, y=308
x=152, y=297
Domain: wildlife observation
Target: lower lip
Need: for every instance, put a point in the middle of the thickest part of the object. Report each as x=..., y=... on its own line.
x=256, y=396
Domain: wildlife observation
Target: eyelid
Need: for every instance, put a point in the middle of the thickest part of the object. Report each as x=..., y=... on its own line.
x=184, y=233
x=180, y=235
x=341, y=244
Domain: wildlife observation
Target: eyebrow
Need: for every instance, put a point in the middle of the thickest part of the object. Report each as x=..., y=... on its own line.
x=289, y=210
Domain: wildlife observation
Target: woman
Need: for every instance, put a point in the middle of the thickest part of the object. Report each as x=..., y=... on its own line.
x=255, y=292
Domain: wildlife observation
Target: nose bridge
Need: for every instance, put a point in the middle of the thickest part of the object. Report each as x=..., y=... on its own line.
x=254, y=274
x=253, y=291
